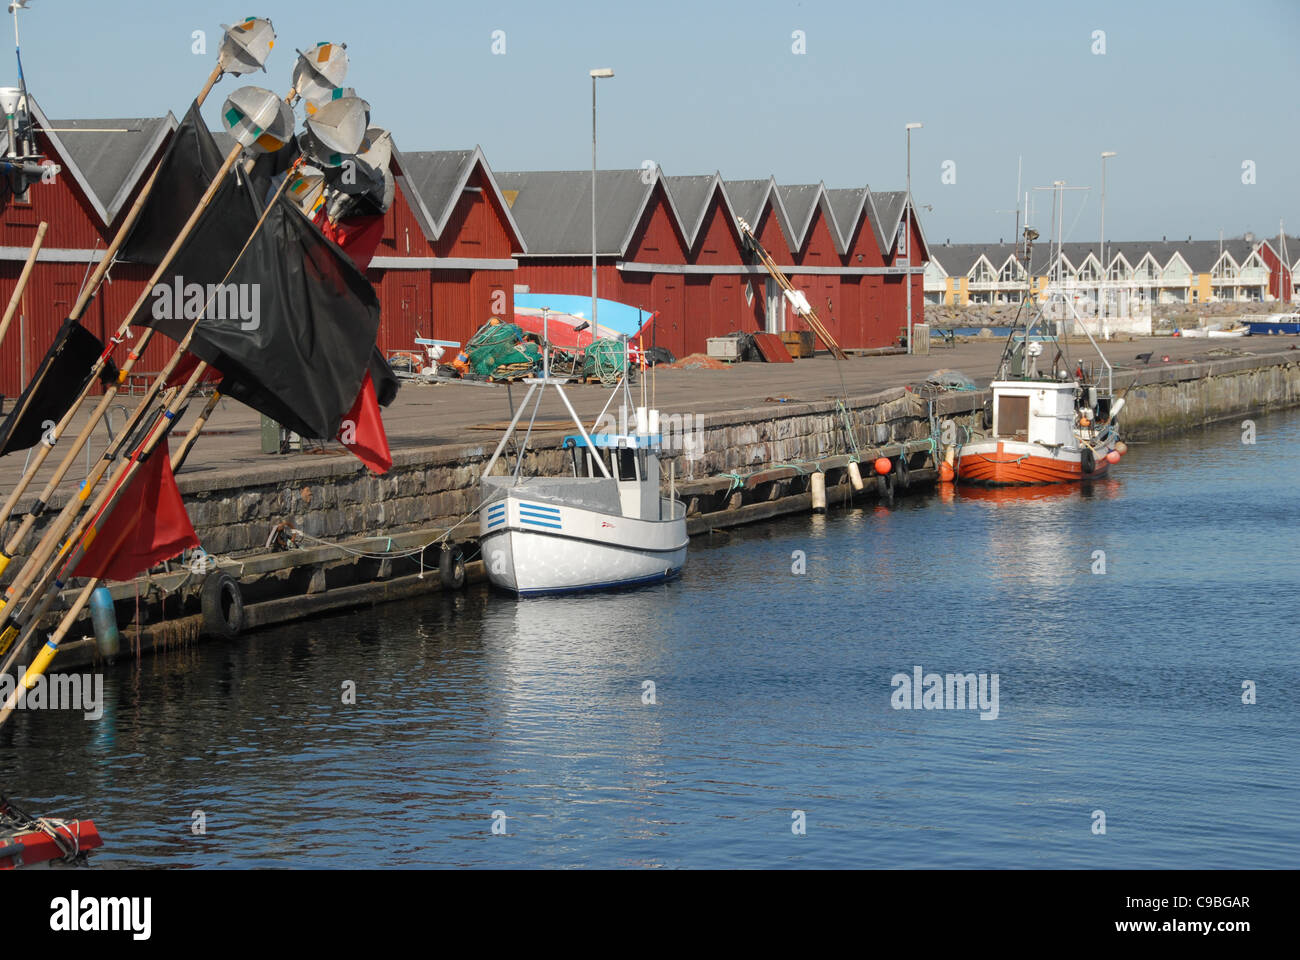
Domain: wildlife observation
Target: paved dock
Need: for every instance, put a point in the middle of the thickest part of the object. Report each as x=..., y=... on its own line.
x=447, y=413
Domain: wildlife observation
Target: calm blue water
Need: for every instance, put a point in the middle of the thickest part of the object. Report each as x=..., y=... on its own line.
x=1118, y=692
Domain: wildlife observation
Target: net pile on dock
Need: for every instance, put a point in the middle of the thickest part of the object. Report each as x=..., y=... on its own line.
x=497, y=351
x=605, y=359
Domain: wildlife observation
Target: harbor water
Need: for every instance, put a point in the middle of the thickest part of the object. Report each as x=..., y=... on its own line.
x=748, y=714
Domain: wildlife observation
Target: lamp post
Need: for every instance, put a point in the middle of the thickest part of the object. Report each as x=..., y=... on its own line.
x=602, y=73
x=1105, y=267
x=907, y=234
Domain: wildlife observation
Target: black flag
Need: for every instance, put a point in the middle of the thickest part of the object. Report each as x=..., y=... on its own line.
x=59, y=380
x=292, y=329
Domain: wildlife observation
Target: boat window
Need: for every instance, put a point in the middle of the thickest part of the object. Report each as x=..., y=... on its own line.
x=1013, y=416
x=627, y=465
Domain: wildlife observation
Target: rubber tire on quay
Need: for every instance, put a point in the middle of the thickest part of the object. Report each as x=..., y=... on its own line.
x=988, y=414
x=222, y=605
x=451, y=567
x=901, y=471
x=1087, y=461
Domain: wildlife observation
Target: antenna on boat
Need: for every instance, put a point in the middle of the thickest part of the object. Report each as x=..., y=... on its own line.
x=26, y=132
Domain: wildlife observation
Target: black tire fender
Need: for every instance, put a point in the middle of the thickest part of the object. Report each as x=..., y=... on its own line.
x=1087, y=461
x=901, y=471
x=988, y=414
x=451, y=567
x=222, y=605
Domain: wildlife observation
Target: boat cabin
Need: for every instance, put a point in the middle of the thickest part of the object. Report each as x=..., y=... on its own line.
x=1036, y=412
x=632, y=459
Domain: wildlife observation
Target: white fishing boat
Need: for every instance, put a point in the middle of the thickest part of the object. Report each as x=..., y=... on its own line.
x=603, y=525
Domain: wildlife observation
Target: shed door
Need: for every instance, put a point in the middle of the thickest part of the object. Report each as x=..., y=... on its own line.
x=775, y=306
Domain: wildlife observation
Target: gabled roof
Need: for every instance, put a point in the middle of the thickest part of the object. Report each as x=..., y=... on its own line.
x=982, y=258
x=846, y=206
x=750, y=198
x=1227, y=259
x=553, y=209
x=887, y=214
x=105, y=158
x=690, y=198
x=800, y=203
x=434, y=180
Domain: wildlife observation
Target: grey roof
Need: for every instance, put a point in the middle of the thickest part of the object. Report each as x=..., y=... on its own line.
x=435, y=175
x=846, y=206
x=553, y=209
x=108, y=159
x=799, y=201
x=747, y=198
x=888, y=206
x=104, y=157
x=690, y=196
x=1200, y=255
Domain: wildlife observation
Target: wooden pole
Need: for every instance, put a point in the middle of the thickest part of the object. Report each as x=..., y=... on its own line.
x=78, y=308
x=15, y=588
x=179, y=455
x=22, y=280
x=48, y=584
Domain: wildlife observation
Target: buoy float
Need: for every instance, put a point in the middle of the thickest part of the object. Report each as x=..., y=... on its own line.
x=1121, y=447
x=855, y=475
x=945, y=472
x=883, y=465
x=818, y=487
x=1112, y=457
x=104, y=618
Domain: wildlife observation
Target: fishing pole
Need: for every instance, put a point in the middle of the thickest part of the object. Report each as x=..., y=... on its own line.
x=48, y=586
x=339, y=129
x=244, y=48
x=259, y=118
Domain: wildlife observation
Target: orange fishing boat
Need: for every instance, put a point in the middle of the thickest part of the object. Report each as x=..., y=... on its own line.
x=1047, y=424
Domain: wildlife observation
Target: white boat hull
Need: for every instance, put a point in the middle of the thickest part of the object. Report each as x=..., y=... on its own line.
x=535, y=546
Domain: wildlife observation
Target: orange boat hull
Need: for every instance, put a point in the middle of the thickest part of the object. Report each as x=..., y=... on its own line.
x=1001, y=467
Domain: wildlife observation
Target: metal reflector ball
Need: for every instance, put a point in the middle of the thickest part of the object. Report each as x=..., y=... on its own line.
x=258, y=119
x=245, y=46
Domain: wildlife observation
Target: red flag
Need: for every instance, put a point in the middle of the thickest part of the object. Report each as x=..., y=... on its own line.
x=357, y=236
x=146, y=525
x=362, y=430
x=181, y=375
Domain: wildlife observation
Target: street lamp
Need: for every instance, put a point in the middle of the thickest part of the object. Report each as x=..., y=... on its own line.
x=907, y=241
x=1105, y=269
x=601, y=73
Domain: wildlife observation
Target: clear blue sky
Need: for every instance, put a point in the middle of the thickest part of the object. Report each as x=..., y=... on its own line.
x=1184, y=93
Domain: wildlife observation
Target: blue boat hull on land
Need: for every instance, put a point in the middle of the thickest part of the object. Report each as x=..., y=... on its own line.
x=1265, y=327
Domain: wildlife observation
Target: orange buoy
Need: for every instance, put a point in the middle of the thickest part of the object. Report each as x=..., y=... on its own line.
x=945, y=472
x=883, y=465
x=1112, y=457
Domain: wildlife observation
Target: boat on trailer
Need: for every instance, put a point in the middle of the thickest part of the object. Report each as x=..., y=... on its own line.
x=1047, y=424
x=605, y=525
